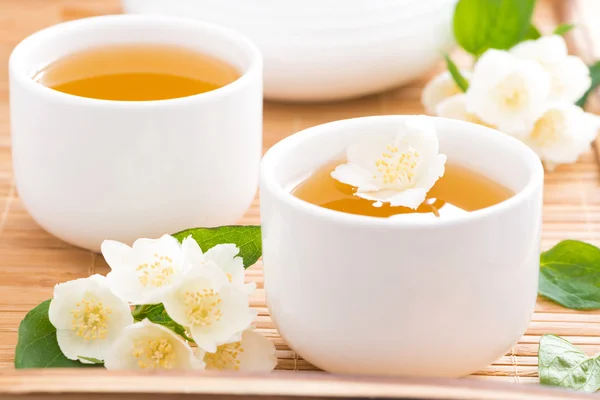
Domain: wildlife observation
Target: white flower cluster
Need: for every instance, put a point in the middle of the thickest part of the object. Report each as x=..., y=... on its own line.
x=527, y=92
x=203, y=292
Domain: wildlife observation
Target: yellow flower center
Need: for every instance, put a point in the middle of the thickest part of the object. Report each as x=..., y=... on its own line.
x=225, y=358
x=203, y=308
x=90, y=319
x=157, y=273
x=154, y=353
x=397, y=167
x=512, y=92
x=546, y=130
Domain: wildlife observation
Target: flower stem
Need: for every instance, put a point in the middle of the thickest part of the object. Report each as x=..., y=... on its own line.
x=140, y=311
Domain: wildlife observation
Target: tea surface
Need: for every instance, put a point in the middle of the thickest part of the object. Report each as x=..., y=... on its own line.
x=137, y=72
x=460, y=189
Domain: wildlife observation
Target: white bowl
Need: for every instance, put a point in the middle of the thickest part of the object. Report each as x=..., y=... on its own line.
x=363, y=295
x=328, y=49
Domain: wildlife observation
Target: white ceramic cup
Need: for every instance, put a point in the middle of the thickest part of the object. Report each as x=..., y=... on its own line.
x=89, y=170
x=357, y=294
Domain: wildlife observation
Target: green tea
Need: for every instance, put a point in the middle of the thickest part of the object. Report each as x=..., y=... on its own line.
x=459, y=187
x=137, y=72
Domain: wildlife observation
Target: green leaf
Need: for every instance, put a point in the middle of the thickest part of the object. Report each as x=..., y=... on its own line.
x=532, y=33
x=563, y=28
x=499, y=24
x=570, y=275
x=562, y=364
x=37, y=346
x=157, y=314
x=595, y=75
x=459, y=79
x=247, y=238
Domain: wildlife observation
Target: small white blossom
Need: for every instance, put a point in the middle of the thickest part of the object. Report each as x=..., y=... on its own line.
x=570, y=77
x=143, y=273
x=562, y=134
x=439, y=89
x=253, y=353
x=88, y=317
x=148, y=346
x=508, y=92
x=455, y=107
x=214, y=310
x=399, y=170
x=225, y=256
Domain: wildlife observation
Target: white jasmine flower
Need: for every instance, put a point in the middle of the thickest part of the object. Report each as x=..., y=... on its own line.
x=149, y=346
x=253, y=353
x=455, y=107
x=508, y=92
x=143, y=273
x=438, y=89
x=88, y=317
x=562, y=134
x=225, y=256
x=214, y=310
x=398, y=170
x=570, y=77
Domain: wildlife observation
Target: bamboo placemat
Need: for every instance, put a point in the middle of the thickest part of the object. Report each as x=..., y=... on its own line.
x=32, y=261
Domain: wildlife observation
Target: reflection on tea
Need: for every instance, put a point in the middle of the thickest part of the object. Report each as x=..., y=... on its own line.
x=459, y=190
x=137, y=72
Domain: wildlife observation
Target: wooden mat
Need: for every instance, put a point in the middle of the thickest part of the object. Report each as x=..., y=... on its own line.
x=32, y=261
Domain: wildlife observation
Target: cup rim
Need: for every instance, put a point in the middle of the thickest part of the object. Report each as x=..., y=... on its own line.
x=240, y=41
x=281, y=150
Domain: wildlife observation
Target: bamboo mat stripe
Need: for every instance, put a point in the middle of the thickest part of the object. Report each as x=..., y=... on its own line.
x=32, y=261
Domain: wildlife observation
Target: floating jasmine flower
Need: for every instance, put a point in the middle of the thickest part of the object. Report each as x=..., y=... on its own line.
x=508, y=92
x=143, y=273
x=149, y=346
x=570, y=77
x=562, y=134
x=399, y=170
x=88, y=317
x=213, y=309
x=253, y=353
x=455, y=107
x=439, y=89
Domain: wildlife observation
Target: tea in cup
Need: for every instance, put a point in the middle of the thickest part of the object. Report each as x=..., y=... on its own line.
x=134, y=126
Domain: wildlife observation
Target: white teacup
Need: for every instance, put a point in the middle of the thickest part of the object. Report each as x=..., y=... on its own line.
x=357, y=294
x=89, y=170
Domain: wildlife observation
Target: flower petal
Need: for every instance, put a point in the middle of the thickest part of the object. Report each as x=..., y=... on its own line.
x=166, y=245
x=354, y=175
x=570, y=79
x=73, y=346
x=224, y=255
x=454, y=107
x=258, y=354
x=368, y=149
x=562, y=134
x=191, y=253
x=440, y=88
x=117, y=255
x=436, y=170
x=545, y=50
